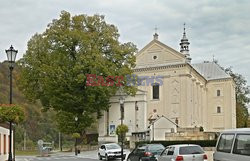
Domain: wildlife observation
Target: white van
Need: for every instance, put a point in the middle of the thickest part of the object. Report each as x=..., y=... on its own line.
x=233, y=145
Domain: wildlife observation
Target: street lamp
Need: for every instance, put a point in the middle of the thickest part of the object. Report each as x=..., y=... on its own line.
x=121, y=100
x=152, y=122
x=11, y=55
x=76, y=152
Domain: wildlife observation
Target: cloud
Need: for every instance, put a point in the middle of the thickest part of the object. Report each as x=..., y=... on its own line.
x=219, y=28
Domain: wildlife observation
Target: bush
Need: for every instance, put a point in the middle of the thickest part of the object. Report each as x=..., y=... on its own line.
x=11, y=113
x=202, y=143
x=121, y=130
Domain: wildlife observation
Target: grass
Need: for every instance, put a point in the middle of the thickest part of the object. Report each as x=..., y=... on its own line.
x=27, y=153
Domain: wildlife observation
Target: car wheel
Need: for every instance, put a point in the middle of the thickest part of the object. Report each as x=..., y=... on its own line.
x=99, y=156
x=106, y=157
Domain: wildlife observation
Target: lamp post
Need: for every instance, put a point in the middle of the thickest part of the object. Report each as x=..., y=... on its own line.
x=76, y=152
x=11, y=55
x=152, y=122
x=121, y=100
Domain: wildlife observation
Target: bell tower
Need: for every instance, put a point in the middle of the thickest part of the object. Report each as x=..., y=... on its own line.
x=184, y=46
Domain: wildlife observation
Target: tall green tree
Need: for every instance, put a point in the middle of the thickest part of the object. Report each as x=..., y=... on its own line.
x=68, y=125
x=242, y=91
x=56, y=62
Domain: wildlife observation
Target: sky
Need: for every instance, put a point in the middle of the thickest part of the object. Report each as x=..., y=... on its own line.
x=214, y=27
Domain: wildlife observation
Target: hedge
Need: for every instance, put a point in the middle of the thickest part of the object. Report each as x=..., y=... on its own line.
x=202, y=143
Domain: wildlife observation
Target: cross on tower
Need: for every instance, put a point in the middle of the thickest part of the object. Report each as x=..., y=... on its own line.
x=156, y=29
x=156, y=35
x=184, y=26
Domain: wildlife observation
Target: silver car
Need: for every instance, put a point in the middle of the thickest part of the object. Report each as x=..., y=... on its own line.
x=183, y=152
x=233, y=145
x=110, y=151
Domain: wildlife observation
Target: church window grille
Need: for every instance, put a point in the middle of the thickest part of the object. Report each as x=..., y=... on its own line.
x=156, y=90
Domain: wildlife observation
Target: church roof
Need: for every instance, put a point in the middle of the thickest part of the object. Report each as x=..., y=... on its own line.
x=210, y=70
x=162, y=116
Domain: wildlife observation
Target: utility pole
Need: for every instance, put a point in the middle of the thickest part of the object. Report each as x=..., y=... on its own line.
x=59, y=141
x=24, y=140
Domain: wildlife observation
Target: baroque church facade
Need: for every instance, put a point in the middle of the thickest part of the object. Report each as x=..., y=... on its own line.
x=189, y=96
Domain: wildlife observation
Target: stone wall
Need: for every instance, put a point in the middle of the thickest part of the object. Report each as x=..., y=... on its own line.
x=190, y=134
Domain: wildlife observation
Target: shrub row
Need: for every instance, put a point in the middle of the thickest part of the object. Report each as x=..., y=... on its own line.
x=202, y=143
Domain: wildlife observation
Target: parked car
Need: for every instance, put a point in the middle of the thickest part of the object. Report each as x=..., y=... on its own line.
x=146, y=152
x=233, y=145
x=110, y=151
x=183, y=152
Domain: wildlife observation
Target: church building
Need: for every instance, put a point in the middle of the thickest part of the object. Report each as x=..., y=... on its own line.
x=188, y=96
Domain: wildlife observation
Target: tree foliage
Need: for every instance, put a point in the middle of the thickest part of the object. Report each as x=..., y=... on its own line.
x=55, y=65
x=242, y=91
x=11, y=113
x=67, y=124
x=121, y=130
x=76, y=135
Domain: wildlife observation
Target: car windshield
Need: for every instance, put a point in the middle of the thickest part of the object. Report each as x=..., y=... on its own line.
x=190, y=150
x=156, y=148
x=112, y=146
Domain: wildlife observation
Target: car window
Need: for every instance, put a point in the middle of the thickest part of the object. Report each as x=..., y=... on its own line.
x=165, y=152
x=102, y=147
x=141, y=148
x=171, y=151
x=190, y=150
x=242, y=144
x=225, y=143
x=112, y=146
x=156, y=148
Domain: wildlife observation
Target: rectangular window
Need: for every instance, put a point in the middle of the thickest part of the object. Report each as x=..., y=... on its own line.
x=187, y=150
x=225, y=143
x=156, y=90
x=4, y=144
x=218, y=93
x=218, y=109
x=242, y=144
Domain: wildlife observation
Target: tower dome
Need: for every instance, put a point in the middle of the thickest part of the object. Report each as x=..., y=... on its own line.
x=184, y=46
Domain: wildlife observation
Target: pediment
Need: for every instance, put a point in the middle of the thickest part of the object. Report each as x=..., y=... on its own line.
x=156, y=53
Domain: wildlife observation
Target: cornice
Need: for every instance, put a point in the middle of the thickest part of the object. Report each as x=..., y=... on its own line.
x=158, y=67
x=220, y=80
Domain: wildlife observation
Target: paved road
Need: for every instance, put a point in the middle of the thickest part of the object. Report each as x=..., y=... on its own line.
x=84, y=156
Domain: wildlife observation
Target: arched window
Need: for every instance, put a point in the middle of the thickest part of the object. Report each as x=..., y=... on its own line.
x=218, y=109
x=156, y=90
